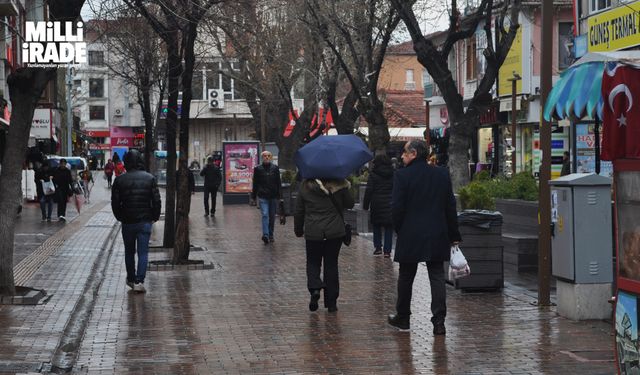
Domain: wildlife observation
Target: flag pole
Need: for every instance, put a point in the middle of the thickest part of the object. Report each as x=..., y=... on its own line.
x=596, y=134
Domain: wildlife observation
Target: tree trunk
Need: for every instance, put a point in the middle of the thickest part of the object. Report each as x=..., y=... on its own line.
x=174, y=61
x=181, y=246
x=149, y=145
x=25, y=87
x=378, y=130
x=459, y=143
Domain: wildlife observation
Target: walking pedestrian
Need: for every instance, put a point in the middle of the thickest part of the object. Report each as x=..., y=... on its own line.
x=566, y=164
x=64, y=189
x=426, y=222
x=377, y=197
x=319, y=218
x=108, y=171
x=42, y=176
x=266, y=187
x=135, y=201
x=212, y=179
x=86, y=177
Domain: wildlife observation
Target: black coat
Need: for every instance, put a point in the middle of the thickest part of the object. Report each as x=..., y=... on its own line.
x=424, y=213
x=212, y=176
x=135, y=197
x=266, y=182
x=63, y=180
x=377, y=196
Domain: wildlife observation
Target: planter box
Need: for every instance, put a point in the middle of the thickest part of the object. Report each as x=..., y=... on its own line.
x=520, y=233
x=484, y=251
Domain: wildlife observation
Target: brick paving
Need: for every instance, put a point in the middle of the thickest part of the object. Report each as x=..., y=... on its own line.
x=250, y=315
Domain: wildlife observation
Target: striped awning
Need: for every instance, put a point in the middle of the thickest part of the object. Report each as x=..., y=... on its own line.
x=577, y=93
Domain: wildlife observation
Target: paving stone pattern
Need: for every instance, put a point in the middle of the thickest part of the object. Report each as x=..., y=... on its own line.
x=249, y=316
x=30, y=334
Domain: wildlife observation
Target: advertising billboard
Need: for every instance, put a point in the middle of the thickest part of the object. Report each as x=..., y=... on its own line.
x=240, y=158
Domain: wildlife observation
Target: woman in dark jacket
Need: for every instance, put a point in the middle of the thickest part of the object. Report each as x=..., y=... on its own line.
x=321, y=223
x=377, y=196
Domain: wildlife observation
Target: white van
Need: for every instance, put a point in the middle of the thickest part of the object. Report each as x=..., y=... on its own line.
x=74, y=163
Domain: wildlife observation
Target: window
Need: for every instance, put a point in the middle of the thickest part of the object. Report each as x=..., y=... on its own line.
x=96, y=87
x=565, y=45
x=428, y=84
x=96, y=112
x=96, y=58
x=196, y=85
x=217, y=80
x=599, y=5
x=472, y=59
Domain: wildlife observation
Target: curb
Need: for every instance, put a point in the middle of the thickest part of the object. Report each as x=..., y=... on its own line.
x=66, y=352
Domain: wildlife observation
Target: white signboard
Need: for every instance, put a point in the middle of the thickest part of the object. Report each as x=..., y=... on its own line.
x=41, y=123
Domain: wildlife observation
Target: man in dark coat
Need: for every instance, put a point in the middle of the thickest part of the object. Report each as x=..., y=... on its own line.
x=426, y=221
x=135, y=201
x=377, y=197
x=62, y=180
x=46, y=201
x=212, y=179
x=566, y=164
x=266, y=187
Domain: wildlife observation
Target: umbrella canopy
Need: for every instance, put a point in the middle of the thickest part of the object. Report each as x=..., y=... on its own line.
x=334, y=156
x=577, y=93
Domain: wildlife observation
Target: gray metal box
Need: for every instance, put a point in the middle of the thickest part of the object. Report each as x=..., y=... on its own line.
x=581, y=243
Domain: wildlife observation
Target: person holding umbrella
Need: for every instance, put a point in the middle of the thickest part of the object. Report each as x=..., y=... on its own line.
x=324, y=194
x=266, y=187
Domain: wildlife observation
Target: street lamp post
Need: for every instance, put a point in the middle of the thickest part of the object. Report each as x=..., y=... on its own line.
x=69, y=111
x=514, y=80
x=427, y=132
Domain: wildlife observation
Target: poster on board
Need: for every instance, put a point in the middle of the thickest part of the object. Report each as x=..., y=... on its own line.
x=627, y=333
x=240, y=158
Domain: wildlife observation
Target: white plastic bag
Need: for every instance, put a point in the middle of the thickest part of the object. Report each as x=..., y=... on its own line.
x=48, y=187
x=458, y=261
x=458, y=266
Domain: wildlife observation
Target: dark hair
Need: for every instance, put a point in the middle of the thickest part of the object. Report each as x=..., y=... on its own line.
x=381, y=160
x=63, y=160
x=420, y=147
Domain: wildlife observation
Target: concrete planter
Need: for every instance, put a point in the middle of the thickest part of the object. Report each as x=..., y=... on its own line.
x=520, y=233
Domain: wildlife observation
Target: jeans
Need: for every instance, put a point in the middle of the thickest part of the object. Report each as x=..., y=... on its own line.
x=438, y=290
x=109, y=180
x=268, y=210
x=327, y=251
x=86, y=191
x=46, y=201
x=377, y=237
x=131, y=234
x=214, y=192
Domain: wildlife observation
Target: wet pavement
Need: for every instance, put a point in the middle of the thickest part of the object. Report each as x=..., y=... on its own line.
x=250, y=315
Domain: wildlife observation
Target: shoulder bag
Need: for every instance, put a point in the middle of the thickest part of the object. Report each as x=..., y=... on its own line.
x=347, y=227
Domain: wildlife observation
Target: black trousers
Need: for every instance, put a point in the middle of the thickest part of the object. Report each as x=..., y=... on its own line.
x=214, y=193
x=438, y=290
x=327, y=251
x=62, y=202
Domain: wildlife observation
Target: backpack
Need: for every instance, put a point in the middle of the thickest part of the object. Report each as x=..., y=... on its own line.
x=120, y=169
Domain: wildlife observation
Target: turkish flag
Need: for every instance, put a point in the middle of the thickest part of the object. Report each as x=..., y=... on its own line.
x=291, y=123
x=621, y=112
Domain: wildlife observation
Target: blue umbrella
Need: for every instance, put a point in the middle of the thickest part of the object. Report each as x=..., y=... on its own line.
x=333, y=156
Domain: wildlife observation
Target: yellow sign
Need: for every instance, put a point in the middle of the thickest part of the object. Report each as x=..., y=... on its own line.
x=616, y=29
x=513, y=63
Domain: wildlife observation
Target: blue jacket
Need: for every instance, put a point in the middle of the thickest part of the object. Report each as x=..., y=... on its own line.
x=424, y=213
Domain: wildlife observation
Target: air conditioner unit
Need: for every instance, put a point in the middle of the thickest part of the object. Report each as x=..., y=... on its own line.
x=215, y=97
x=118, y=112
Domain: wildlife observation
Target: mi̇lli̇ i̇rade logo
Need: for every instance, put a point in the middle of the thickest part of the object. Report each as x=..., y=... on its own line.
x=53, y=44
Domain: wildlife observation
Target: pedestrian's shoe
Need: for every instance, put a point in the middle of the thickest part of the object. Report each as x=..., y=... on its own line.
x=139, y=288
x=387, y=255
x=313, y=302
x=332, y=308
x=271, y=239
x=49, y=219
x=61, y=218
x=377, y=251
x=398, y=321
x=265, y=239
x=130, y=284
x=438, y=329
x=206, y=214
x=43, y=219
x=213, y=212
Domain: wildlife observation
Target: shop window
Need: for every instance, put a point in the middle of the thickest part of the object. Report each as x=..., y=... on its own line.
x=599, y=5
x=565, y=44
x=96, y=58
x=96, y=112
x=96, y=87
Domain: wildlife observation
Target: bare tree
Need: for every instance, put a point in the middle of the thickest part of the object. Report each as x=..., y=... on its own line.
x=25, y=89
x=435, y=60
x=178, y=27
x=358, y=33
x=138, y=59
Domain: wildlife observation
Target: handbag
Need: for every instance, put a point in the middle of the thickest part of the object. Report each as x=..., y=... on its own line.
x=48, y=187
x=347, y=227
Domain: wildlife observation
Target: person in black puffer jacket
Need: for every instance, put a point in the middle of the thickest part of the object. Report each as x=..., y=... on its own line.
x=377, y=197
x=135, y=201
x=266, y=188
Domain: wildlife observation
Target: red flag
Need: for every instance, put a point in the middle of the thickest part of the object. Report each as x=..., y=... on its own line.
x=621, y=112
x=290, y=124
